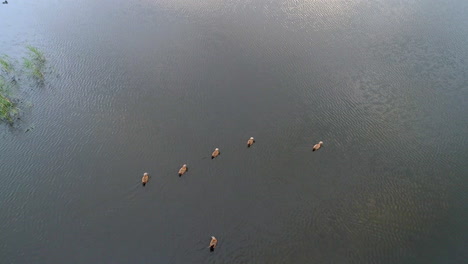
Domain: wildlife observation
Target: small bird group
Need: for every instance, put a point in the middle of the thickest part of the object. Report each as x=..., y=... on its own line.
x=216, y=153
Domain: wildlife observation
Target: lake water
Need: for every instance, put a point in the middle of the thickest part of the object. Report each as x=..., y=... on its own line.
x=146, y=86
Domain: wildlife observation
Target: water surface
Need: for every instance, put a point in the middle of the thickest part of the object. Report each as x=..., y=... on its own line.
x=146, y=86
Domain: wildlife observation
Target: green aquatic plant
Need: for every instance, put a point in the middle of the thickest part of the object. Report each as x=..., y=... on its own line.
x=35, y=63
x=33, y=69
x=6, y=65
x=36, y=54
x=8, y=109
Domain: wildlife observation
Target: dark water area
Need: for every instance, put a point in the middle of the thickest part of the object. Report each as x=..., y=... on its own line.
x=146, y=86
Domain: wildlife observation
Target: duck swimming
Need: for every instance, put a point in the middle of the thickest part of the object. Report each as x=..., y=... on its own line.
x=183, y=170
x=215, y=153
x=213, y=243
x=145, y=179
x=317, y=146
x=250, y=142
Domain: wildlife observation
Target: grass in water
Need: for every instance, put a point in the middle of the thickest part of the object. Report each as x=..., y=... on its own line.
x=35, y=62
x=6, y=65
x=8, y=109
x=34, y=65
x=36, y=54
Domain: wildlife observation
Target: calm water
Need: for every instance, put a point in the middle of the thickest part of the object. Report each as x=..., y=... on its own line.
x=145, y=86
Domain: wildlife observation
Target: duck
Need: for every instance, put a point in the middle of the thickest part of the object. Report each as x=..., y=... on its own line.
x=183, y=170
x=250, y=142
x=213, y=243
x=317, y=146
x=215, y=153
x=5, y=2
x=145, y=179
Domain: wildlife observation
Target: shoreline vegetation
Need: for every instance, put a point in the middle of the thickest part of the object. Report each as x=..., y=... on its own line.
x=33, y=66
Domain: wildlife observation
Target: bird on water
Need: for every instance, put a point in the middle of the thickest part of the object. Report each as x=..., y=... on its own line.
x=317, y=146
x=250, y=142
x=215, y=153
x=213, y=243
x=183, y=170
x=145, y=179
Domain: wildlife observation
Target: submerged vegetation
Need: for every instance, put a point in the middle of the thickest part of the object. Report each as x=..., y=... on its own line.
x=6, y=65
x=7, y=109
x=6, y=106
x=34, y=66
x=35, y=63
